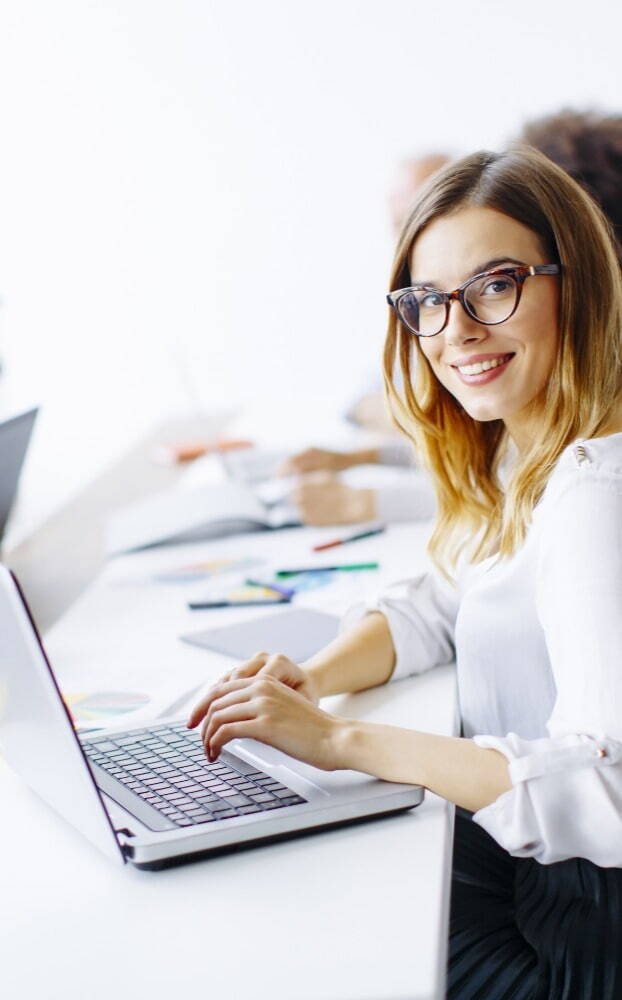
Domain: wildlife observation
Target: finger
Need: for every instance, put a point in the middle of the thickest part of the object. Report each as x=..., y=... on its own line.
x=250, y=667
x=281, y=668
x=247, y=669
x=233, y=713
x=231, y=698
x=217, y=691
x=247, y=729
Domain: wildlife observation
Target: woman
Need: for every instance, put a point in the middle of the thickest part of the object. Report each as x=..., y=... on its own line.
x=506, y=322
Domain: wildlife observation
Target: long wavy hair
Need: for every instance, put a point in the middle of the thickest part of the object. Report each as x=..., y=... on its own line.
x=476, y=517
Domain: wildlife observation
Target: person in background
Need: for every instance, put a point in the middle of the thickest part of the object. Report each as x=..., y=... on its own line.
x=321, y=496
x=506, y=323
x=588, y=146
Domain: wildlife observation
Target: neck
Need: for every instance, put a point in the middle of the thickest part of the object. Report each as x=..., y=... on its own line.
x=522, y=428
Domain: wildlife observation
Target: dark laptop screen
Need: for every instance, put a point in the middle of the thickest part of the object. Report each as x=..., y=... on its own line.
x=14, y=437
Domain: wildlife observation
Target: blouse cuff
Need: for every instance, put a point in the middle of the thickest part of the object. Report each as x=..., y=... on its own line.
x=555, y=783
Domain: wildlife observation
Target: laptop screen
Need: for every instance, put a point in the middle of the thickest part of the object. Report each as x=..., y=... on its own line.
x=14, y=438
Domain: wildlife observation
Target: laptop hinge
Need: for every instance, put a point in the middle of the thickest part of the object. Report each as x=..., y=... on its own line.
x=127, y=850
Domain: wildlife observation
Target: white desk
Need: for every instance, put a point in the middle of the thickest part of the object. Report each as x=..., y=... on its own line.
x=352, y=914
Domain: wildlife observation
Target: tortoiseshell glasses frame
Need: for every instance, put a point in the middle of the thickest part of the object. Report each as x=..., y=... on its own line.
x=408, y=307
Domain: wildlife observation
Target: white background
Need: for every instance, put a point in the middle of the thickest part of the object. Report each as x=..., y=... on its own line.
x=193, y=192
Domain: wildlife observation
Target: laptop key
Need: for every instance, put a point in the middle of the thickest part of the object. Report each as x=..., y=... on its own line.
x=147, y=814
x=237, y=800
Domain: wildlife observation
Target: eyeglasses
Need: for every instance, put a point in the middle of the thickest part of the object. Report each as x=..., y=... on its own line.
x=489, y=298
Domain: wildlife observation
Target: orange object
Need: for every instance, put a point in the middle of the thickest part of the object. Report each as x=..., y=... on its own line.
x=186, y=451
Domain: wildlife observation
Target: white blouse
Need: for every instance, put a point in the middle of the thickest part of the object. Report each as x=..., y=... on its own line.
x=538, y=644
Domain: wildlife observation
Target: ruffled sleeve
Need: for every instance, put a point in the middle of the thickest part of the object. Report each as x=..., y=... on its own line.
x=421, y=613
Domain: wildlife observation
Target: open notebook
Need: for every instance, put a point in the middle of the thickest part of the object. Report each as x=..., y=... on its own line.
x=194, y=515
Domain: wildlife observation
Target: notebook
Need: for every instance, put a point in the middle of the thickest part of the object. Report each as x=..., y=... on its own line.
x=192, y=515
x=297, y=634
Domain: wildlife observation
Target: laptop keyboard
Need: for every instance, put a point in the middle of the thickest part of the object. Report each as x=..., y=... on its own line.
x=166, y=767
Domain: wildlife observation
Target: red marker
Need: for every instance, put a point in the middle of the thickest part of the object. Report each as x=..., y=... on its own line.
x=350, y=538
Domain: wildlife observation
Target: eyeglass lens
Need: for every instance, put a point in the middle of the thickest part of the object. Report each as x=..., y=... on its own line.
x=489, y=299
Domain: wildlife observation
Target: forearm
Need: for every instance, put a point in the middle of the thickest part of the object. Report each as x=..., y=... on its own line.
x=455, y=768
x=361, y=658
x=364, y=456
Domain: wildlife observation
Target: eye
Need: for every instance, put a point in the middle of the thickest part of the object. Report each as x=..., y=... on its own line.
x=430, y=300
x=496, y=286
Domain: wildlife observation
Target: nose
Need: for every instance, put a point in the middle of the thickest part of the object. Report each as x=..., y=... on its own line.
x=462, y=328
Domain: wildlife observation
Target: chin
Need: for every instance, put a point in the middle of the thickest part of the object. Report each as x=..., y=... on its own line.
x=484, y=412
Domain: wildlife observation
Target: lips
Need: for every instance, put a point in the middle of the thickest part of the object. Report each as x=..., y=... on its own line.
x=479, y=369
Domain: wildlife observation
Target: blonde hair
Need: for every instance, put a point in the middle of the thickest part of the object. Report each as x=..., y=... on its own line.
x=475, y=516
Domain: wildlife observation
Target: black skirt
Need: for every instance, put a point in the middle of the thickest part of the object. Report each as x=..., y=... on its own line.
x=520, y=930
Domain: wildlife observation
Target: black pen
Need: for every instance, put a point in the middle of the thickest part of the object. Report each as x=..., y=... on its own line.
x=203, y=605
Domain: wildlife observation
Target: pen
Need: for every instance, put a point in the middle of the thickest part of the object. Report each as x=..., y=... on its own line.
x=285, y=591
x=350, y=538
x=326, y=569
x=201, y=605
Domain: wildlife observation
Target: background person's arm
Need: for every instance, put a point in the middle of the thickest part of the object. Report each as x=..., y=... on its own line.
x=322, y=498
x=323, y=460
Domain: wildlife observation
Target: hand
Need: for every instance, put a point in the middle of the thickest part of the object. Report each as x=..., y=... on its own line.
x=324, y=499
x=315, y=460
x=279, y=667
x=265, y=709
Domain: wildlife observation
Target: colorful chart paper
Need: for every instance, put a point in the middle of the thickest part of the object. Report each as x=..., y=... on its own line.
x=204, y=570
x=90, y=709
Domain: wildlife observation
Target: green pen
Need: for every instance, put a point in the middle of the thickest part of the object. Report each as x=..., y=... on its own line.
x=326, y=569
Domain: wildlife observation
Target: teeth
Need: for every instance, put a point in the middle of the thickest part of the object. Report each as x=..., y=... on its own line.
x=481, y=366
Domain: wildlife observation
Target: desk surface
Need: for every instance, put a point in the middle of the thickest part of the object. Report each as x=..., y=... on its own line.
x=352, y=914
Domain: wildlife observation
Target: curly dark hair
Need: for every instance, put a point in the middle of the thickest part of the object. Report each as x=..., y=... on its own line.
x=588, y=145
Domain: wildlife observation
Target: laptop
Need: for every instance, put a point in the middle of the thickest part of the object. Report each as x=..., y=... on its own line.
x=149, y=796
x=14, y=439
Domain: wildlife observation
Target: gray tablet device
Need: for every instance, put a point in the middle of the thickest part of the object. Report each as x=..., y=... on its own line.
x=14, y=438
x=298, y=634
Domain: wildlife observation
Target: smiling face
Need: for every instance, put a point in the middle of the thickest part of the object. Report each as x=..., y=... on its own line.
x=495, y=372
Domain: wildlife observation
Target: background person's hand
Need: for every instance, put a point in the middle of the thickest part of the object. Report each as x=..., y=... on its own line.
x=315, y=460
x=323, y=499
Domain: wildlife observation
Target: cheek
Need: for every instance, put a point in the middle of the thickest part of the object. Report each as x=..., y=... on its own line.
x=433, y=359
x=430, y=353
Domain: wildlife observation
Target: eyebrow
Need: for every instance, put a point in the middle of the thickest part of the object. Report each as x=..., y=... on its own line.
x=487, y=265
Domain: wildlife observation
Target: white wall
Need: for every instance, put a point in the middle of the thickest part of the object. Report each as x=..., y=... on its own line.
x=203, y=182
